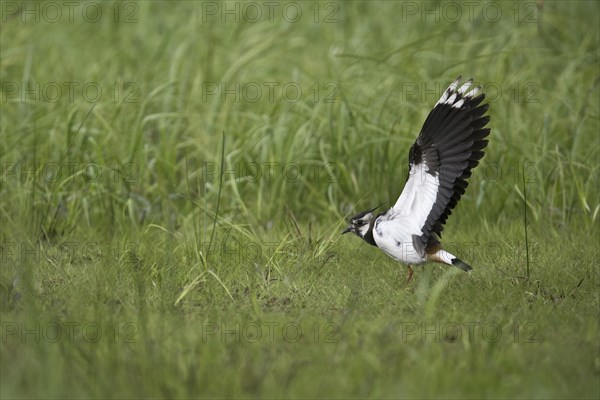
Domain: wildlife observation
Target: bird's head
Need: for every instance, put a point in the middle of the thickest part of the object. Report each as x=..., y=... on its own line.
x=361, y=223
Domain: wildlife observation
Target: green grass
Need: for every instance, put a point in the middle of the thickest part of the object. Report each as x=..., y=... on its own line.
x=171, y=240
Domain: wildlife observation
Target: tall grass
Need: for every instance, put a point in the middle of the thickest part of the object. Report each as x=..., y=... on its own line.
x=203, y=188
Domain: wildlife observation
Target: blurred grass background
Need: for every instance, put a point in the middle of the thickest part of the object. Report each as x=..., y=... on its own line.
x=172, y=171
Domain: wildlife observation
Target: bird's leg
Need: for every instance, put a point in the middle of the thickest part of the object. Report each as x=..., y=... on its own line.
x=410, y=274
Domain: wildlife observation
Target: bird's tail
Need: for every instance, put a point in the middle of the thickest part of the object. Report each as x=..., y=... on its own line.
x=461, y=264
x=442, y=256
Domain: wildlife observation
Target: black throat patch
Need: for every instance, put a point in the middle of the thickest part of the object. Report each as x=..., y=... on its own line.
x=369, y=235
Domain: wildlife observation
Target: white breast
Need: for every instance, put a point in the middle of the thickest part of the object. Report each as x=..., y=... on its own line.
x=393, y=234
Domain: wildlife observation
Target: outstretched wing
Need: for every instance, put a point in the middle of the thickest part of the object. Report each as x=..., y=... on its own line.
x=450, y=145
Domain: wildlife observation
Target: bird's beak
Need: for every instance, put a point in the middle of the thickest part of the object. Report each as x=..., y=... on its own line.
x=348, y=229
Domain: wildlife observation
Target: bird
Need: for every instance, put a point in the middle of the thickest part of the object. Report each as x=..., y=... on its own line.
x=451, y=143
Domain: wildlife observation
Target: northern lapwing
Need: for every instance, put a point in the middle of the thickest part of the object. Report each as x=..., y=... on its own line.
x=450, y=145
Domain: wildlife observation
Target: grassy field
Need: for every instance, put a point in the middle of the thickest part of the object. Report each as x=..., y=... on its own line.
x=175, y=178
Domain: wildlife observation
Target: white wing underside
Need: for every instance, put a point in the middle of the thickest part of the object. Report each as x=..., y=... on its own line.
x=394, y=231
x=418, y=196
